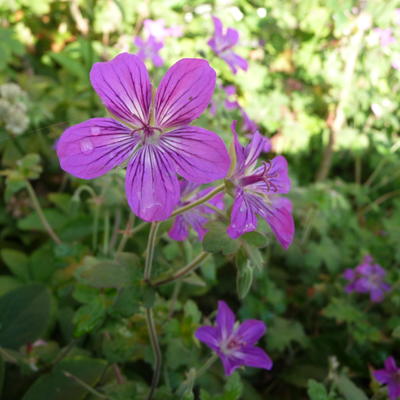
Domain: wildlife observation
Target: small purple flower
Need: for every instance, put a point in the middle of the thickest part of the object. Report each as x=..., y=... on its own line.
x=159, y=31
x=367, y=277
x=222, y=44
x=149, y=50
x=385, y=36
x=390, y=376
x=234, y=343
x=195, y=217
x=153, y=137
x=256, y=192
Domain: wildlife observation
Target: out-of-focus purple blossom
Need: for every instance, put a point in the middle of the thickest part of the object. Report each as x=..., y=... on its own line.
x=390, y=376
x=385, y=36
x=222, y=44
x=368, y=277
x=230, y=101
x=256, y=192
x=149, y=49
x=151, y=133
x=195, y=217
x=234, y=343
x=159, y=31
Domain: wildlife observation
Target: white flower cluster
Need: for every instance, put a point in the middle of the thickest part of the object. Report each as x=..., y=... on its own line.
x=13, y=108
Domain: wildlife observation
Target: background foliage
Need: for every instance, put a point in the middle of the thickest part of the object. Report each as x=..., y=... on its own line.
x=68, y=320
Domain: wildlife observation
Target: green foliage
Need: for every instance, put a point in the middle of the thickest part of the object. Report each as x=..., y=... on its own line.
x=24, y=315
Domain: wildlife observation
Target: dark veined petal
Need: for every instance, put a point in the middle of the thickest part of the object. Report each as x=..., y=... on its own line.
x=254, y=149
x=124, y=87
x=225, y=319
x=243, y=216
x=151, y=184
x=251, y=330
x=281, y=221
x=254, y=357
x=208, y=335
x=180, y=229
x=184, y=92
x=91, y=148
x=199, y=155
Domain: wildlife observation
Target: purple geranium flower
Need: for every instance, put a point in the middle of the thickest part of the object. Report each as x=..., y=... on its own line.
x=195, y=217
x=230, y=101
x=390, y=376
x=222, y=44
x=149, y=49
x=154, y=138
x=235, y=343
x=256, y=192
x=367, y=277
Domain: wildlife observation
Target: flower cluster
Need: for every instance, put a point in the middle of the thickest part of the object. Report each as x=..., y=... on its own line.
x=368, y=277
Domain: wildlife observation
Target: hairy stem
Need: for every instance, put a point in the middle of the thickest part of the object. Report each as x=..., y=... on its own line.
x=80, y=382
x=40, y=213
x=155, y=345
x=150, y=251
x=183, y=271
x=151, y=326
x=199, y=201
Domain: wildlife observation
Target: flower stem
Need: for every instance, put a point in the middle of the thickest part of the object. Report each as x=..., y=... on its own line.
x=206, y=365
x=80, y=382
x=155, y=345
x=183, y=271
x=40, y=213
x=201, y=200
x=150, y=251
x=151, y=326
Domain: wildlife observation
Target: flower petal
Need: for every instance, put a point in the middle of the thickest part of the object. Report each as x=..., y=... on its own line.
x=151, y=184
x=251, y=330
x=180, y=229
x=209, y=335
x=92, y=148
x=243, y=216
x=199, y=155
x=254, y=149
x=254, y=357
x=234, y=61
x=225, y=319
x=394, y=390
x=281, y=221
x=382, y=376
x=124, y=87
x=229, y=364
x=390, y=364
x=184, y=92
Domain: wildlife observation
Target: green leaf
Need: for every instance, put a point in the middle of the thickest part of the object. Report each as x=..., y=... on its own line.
x=121, y=391
x=109, y=273
x=24, y=315
x=89, y=317
x=349, y=390
x=17, y=262
x=2, y=372
x=255, y=239
x=217, y=240
x=316, y=390
x=127, y=302
x=57, y=386
x=8, y=283
x=283, y=332
x=244, y=279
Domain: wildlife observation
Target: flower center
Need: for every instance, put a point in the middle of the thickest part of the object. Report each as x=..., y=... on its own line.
x=265, y=176
x=149, y=134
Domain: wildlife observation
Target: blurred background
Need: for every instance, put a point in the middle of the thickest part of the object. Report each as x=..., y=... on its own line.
x=322, y=84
